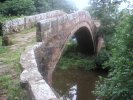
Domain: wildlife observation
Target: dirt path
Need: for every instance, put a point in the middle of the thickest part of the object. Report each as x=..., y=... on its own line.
x=9, y=62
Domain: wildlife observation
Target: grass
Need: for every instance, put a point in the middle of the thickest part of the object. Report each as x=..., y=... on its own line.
x=13, y=88
x=74, y=59
x=10, y=81
x=7, y=81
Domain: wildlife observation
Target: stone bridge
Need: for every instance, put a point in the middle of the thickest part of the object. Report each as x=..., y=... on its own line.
x=56, y=31
x=52, y=34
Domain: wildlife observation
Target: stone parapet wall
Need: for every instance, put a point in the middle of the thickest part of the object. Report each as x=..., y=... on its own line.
x=37, y=86
x=19, y=24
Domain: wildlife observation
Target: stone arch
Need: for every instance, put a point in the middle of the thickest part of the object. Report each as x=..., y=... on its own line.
x=88, y=37
x=55, y=32
x=84, y=37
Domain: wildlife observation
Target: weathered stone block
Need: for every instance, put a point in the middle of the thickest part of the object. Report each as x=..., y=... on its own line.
x=45, y=25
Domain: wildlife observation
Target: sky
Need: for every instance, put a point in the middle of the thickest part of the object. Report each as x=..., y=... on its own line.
x=124, y=5
x=81, y=4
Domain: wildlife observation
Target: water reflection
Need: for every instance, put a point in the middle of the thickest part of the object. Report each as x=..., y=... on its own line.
x=75, y=84
x=72, y=92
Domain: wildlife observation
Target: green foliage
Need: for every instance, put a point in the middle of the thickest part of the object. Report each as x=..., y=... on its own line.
x=28, y=7
x=105, y=11
x=74, y=59
x=65, y=5
x=17, y=7
x=102, y=57
x=48, y=5
x=119, y=83
x=41, y=5
x=15, y=91
x=118, y=27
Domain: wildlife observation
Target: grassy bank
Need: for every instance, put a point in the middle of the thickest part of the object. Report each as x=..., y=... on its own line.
x=72, y=58
x=10, y=67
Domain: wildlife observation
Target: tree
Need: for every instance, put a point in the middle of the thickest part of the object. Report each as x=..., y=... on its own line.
x=48, y=5
x=17, y=7
x=107, y=12
x=65, y=5
x=41, y=5
x=119, y=26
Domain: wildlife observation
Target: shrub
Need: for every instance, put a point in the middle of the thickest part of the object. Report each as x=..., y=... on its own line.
x=102, y=57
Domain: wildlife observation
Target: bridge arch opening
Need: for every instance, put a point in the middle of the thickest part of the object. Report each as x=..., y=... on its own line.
x=84, y=43
x=84, y=40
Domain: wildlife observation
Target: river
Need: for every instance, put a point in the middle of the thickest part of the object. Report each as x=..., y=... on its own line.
x=73, y=84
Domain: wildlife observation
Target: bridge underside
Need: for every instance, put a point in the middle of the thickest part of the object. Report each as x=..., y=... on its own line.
x=84, y=41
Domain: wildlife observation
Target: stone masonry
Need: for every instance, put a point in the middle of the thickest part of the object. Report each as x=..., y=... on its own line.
x=55, y=32
x=39, y=61
x=19, y=24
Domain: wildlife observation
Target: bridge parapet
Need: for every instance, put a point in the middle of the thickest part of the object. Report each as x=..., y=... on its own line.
x=26, y=22
x=63, y=24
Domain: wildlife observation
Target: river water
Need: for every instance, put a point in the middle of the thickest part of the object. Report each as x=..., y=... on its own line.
x=75, y=84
